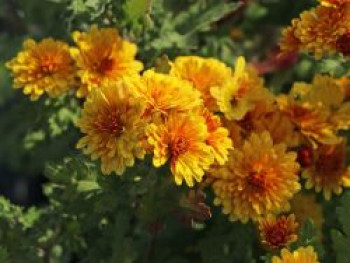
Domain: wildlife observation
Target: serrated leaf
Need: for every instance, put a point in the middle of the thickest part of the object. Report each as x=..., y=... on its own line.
x=134, y=9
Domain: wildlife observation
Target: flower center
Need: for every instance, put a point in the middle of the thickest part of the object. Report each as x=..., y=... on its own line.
x=179, y=146
x=343, y=44
x=50, y=64
x=276, y=235
x=331, y=161
x=106, y=65
x=110, y=123
x=257, y=180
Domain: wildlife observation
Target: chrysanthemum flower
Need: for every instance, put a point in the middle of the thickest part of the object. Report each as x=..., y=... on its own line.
x=218, y=138
x=278, y=232
x=43, y=67
x=301, y=255
x=240, y=94
x=305, y=207
x=313, y=122
x=257, y=180
x=329, y=172
x=103, y=57
x=317, y=30
x=203, y=73
x=112, y=124
x=182, y=140
x=163, y=93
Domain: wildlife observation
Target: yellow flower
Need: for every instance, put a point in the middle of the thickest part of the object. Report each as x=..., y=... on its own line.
x=257, y=180
x=278, y=232
x=112, y=126
x=301, y=255
x=203, y=73
x=317, y=30
x=318, y=109
x=329, y=172
x=163, y=93
x=218, y=138
x=313, y=122
x=240, y=93
x=305, y=207
x=43, y=67
x=103, y=57
x=182, y=139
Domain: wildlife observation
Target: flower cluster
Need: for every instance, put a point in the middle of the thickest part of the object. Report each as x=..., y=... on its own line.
x=322, y=30
x=209, y=123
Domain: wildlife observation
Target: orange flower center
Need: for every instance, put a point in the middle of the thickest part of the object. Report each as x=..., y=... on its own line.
x=257, y=180
x=331, y=161
x=110, y=123
x=50, y=64
x=179, y=146
x=277, y=234
x=106, y=65
x=343, y=44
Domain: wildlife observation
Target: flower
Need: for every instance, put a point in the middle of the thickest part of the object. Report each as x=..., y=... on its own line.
x=103, y=57
x=317, y=30
x=334, y=3
x=343, y=44
x=329, y=172
x=317, y=109
x=112, y=124
x=313, y=122
x=182, y=139
x=240, y=93
x=278, y=232
x=258, y=179
x=305, y=207
x=301, y=255
x=163, y=93
x=203, y=73
x=218, y=138
x=43, y=67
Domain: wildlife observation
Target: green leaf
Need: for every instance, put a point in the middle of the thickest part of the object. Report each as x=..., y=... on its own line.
x=341, y=239
x=134, y=9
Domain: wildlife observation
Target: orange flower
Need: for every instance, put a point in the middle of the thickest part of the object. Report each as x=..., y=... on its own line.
x=103, y=57
x=329, y=172
x=317, y=30
x=258, y=179
x=43, y=67
x=278, y=232
x=164, y=94
x=182, y=139
x=203, y=73
x=113, y=128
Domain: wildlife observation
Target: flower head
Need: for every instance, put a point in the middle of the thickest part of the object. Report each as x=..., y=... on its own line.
x=278, y=232
x=241, y=93
x=301, y=255
x=163, y=93
x=203, y=73
x=329, y=172
x=103, y=57
x=43, y=67
x=258, y=179
x=182, y=139
x=334, y=3
x=112, y=124
x=317, y=30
